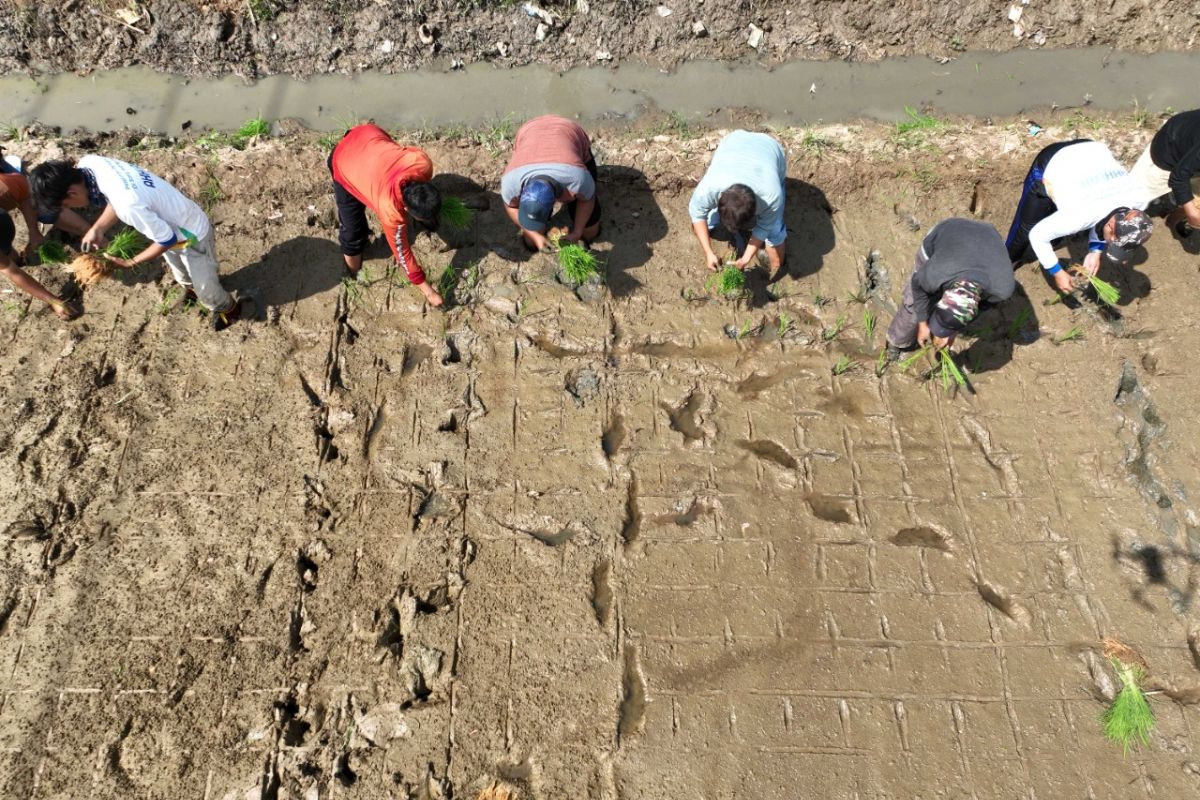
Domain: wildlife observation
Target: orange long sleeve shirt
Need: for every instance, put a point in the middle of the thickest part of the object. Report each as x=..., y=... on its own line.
x=373, y=168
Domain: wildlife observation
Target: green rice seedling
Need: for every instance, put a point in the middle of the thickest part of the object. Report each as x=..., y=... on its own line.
x=355, y=289
x=951, y=375
x=1074, y=334
x=907, y=362
x=1014, y=327
x=577, y=263
x=729, y=282
x=448, y=283
x=454, y=213
x=126, y=244
x=840, y=324
x=857, y=297
x=1105, y=291
x=743, y=330
x=820, y=300
x=1129, y=719
x=843, y=365
x=52, y=251
x=257, y=128
x=785, y=324
x=881, y=363
x=869, y=320
x=170, y=299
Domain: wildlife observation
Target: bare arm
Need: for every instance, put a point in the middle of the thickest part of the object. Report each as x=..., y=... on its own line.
x=28, y=284
x=750, y=253
x=700, y=228
x=31, y=222
x=537, y=239
x=108, y=218
x=153, y=251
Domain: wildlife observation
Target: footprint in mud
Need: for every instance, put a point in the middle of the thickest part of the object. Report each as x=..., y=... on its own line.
x=683, y=418
x=830, y=509
x=602, y=592
x=631, y=526
x=1002, y=601
x=631, y=715
x=923, y=536
x=769, y=451
x=613, y=436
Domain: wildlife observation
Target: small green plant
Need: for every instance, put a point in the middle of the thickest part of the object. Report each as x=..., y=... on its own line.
x=1074, y=334
x=17, y=308
x=1014, y=327
x=918, y=121
x=257, y=128
x=261, y=10
x=448, y=283
x=926, y=178
x=211, y=192
x=816, y=143
x=355, y=288
x=843, y=365
x=729, y=282
x=52, y=251
x=126, y=244
x=869, y=320
x=917, y=354
x=1141, y=116
x=577, y=263
x=860, y=296
x=454, y=213
x=1129, y=719
x=170, y=299
x=743, y=330
x=820, y=300
x=840, y=324
x=1105, y=291
x=881, y=363
x=951, y=375
x=498, y=132
x=784, y=325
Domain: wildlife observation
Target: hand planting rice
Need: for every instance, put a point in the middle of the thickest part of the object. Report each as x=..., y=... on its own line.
x=1105, y=291
x=729, y=282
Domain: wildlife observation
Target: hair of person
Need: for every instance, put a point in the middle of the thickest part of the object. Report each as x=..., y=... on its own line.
x=737, y=207
x=423, y=200
x=50, y=181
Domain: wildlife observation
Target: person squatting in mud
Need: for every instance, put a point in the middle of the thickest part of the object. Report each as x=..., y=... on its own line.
x=551, y=162
x=743, y=191
x=16, y=195
x=1169, y=168
x=371, y=171
x=177, y=228
x=1075, y=186
x=961, y=267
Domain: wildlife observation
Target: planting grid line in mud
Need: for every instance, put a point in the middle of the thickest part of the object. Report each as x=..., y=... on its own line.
x=596, y=550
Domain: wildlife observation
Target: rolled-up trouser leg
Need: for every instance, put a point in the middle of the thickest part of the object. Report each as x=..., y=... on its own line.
x=902, y=332
x=195, y=267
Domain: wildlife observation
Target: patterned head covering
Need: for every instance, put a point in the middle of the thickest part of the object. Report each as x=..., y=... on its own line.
x=958, y=306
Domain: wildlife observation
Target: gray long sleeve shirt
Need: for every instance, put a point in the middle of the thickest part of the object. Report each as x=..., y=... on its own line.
x=961, y=249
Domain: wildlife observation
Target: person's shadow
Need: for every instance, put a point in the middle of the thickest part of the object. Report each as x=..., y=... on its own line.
x=290, y=271
x=808, y=216
x=998, y=331
x=631, y=221
x=1130, y=282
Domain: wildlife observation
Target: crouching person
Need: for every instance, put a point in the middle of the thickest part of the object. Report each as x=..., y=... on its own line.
x=177, y=228
x=962, y=266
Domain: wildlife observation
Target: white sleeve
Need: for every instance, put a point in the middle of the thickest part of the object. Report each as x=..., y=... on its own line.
x=139, y=217
x=1043, y=234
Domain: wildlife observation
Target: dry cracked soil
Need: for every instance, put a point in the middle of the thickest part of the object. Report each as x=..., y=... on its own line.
x=622, y=541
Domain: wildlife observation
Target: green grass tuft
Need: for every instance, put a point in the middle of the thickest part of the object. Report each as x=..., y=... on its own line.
x=785, y=324
x=455, y=214
x=257, y=128
x=126, y=244
x=1129, y=719
x=729, y=282
x=577, y=263
x=52, y=251
x=869, y=320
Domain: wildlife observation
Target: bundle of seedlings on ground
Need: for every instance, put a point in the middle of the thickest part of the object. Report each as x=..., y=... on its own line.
x=729, y=282
x=1129, y=719
x=948, y=370
x=454, y=213
x=52, y=251
x=1105, y=291
x=577, y=263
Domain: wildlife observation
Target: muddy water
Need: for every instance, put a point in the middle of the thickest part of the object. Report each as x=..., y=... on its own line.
x=798, y=93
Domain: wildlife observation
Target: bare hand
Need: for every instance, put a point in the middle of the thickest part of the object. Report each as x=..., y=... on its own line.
x=941, y=343
x=712, y=261
x=123, y=263
x=1063, y=282
x=1091, y=263
x=35, y=241
x=64, y=310
x=924, y=337
x=92, y=240
x=434, y=299
x=570, y=238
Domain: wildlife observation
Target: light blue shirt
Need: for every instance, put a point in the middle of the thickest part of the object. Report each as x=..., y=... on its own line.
x=755, y=160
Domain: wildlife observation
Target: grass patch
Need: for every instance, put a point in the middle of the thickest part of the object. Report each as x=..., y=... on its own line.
x=914, y=131
x=817, y=144
x=729, y=282
x=257, y=128
x=52, y=251
x=454, y=213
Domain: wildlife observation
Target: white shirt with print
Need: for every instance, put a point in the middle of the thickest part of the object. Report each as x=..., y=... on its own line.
x=147, y=203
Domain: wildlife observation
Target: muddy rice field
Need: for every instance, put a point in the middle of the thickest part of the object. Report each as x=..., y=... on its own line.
x=624, y=541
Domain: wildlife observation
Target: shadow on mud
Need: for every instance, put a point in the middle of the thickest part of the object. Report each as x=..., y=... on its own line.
x=624, y=193
x=291, y=271
x=1000, y=329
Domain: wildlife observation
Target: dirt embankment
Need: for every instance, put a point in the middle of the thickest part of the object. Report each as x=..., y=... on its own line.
x=625, y=541
x=307, y=37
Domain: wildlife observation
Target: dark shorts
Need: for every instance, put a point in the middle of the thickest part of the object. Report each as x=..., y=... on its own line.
x=594, y=219
x=354, y=233
x=8, y=232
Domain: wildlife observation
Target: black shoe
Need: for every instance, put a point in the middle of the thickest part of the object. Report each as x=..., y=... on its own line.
x=1182, y=229
x=223, y=319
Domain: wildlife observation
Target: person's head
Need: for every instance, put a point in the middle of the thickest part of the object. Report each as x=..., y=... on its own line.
x=424, y=202
x=737, y=207
x=1125, y=229
x=955, y=311
x=58, y=184
x=536, y=204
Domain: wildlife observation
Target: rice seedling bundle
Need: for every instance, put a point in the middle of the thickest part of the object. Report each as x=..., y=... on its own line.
x=454, y=213
x=950, y=373
x=729, y=282
x=126, y=244
x=1105, y=291
x=577, y=262
x=1129, y=719
x=52, y=252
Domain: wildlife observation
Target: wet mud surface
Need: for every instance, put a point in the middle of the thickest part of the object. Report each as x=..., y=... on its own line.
x=587, y=541
x=310, y=37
